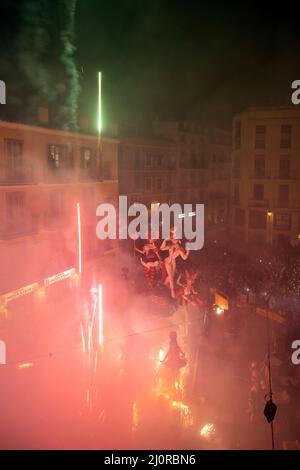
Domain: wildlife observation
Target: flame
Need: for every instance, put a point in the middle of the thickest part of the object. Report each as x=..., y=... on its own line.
x=219, y=310
x=208, y=431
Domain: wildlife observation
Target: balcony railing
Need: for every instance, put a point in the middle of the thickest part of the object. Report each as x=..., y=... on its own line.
x=258, y=203
x=22, y=176
x=20, y=228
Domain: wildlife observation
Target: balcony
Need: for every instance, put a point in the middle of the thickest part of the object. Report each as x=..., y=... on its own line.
x=18, y=176
x=258, y=203
x=90, y=174
x=286, y=204
x=59, y=175
x=19, y=228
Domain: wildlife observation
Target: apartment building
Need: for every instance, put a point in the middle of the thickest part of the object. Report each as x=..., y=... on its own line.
x=147, y=170
x=265, y=187
x=44, y=174
x=203, y=165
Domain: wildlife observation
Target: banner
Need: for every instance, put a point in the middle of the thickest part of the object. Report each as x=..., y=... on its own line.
x=59, y=277
x=19, y=292
x=221, y=301
x=272, y=315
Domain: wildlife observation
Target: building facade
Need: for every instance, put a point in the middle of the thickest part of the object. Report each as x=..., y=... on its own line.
x=147, y=170
x=44, y=174
x=203, y=166
x=265, y=186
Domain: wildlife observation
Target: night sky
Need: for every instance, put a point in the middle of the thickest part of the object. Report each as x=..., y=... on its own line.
x=165, y=59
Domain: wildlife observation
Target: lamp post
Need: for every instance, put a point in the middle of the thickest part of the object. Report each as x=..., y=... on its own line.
x=269, y=226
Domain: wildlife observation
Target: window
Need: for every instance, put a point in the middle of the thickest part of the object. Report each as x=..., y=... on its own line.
x=87, y=158
x=236, y=194
x=88, y=200
x=136, y=183
x=137, y=161
x=107, y=170
x=148, y=184
x=182, y=160
x=236, y=167
x=239, y=217
x=258, y=192
x=60, y=156
x=237, y=134
x=193, y=160
x=57, y=206
x=13, y=157
x=257, y=219
x=15, y=205
x=286, y=136
x=282, y=221
x=148, y=160
x=259, y=166
x=159, y=160
x=284, y=167
x=283, y=195
x=260, y=137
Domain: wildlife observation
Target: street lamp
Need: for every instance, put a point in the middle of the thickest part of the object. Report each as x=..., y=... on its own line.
x=269, y=225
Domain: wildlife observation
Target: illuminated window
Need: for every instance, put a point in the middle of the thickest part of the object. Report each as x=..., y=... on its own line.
x=60, y=157
x=87, y=158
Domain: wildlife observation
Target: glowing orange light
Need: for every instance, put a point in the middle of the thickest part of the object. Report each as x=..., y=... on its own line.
x=79, y=239
x=219, y=310
x=100, y=314
x=25, y=365
x=208, y=431
x=270, y=213
x=161, y=354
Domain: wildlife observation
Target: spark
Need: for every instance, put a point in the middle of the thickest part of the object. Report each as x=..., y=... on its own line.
x=135, y=417
x=79, y=239
x=99, y=104
x=208, y=431
x=82, y=339
x=219, y=310
x=100, y=314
